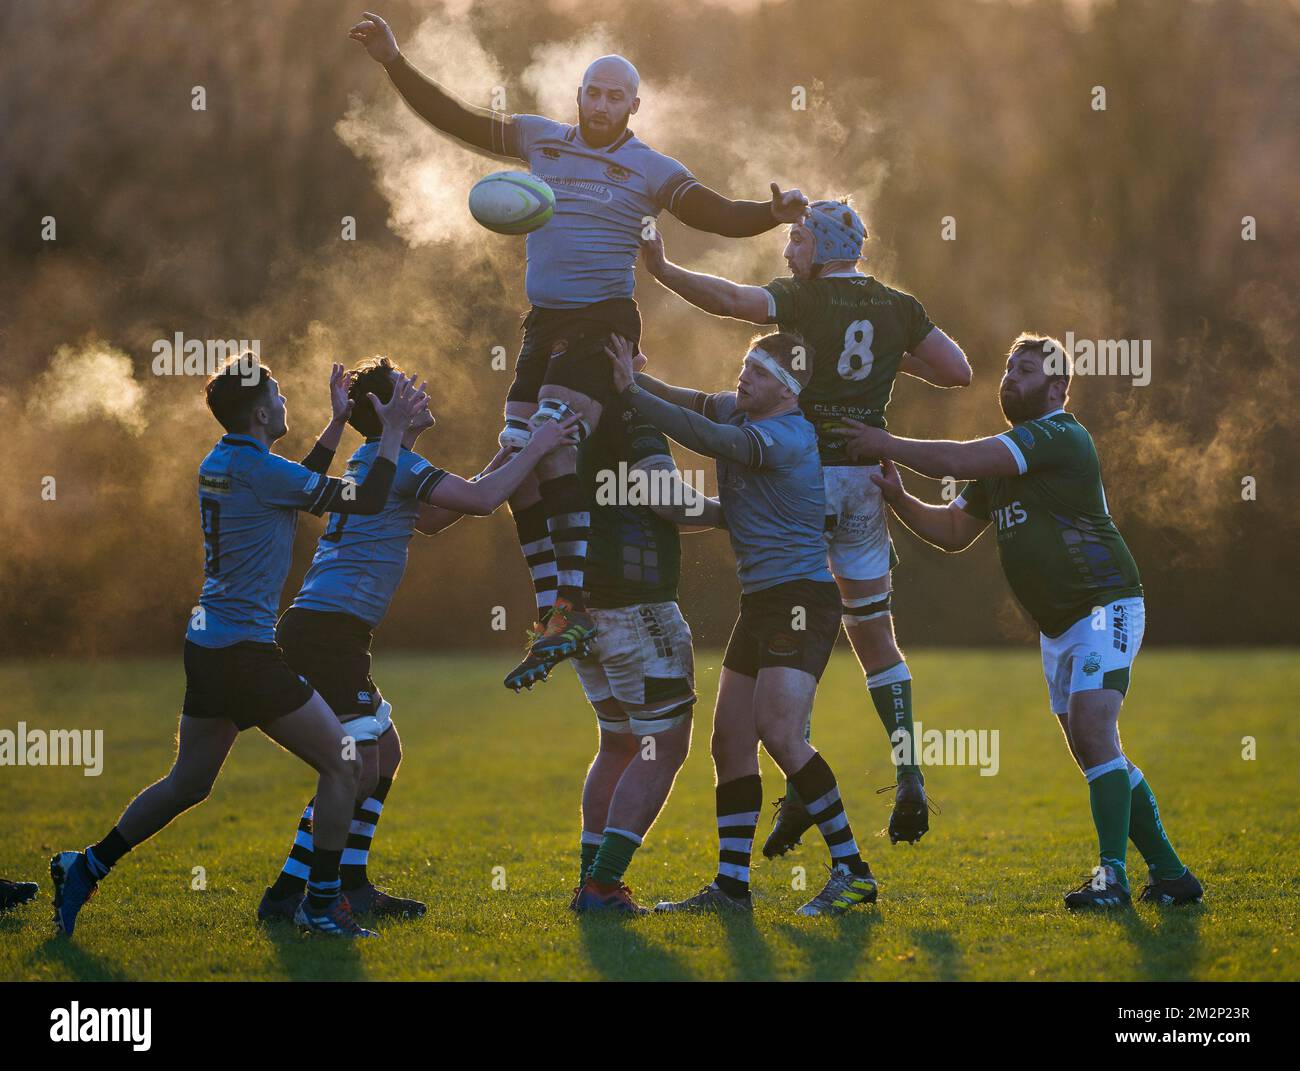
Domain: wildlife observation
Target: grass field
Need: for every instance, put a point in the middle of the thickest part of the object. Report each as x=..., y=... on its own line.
x=492, y=780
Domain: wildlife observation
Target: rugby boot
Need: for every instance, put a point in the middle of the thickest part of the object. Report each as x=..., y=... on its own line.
x=74, y=884
x=568, y=633
x=1172, y=891
x=13, y=893
x=608, y=897
x=1103, y=890
x=335, y=919
x=367, y=900
x=709, y=898
x=791, y=822
x=843, y=891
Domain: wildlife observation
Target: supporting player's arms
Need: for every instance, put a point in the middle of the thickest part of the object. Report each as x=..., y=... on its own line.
x=713, y=294
x=687, y=507
x=684, y=396
x=949, y=527
x=931, y=457
x=707, y=210
x=938, y=360
x=482, y=495
x=696, y=431
x=434, y=519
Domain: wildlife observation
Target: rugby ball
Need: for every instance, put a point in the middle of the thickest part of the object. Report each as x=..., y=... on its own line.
x=511, y=202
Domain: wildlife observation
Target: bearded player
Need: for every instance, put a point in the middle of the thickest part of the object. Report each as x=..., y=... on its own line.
x=1069, y=567
x=861, y=334
x=608, y=186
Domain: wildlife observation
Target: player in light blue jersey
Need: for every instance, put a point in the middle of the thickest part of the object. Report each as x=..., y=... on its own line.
x=235, y=675
x=773, y=504
x=609, y=185
x=327, y=633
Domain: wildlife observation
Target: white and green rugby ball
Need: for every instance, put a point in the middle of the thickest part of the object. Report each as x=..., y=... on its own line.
x=511, y=202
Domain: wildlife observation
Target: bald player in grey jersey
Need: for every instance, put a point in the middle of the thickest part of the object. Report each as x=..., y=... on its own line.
x=609, y=186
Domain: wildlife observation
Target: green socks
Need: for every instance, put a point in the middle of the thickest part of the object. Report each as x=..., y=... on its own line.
x=614, y=856
x=1111, y=797
x=590, y=845
x=1149, y=835
x=891, y=692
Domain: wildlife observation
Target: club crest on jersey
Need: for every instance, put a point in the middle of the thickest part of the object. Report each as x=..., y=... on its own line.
x=618, y=174
x=551, y=154
x=1092, y=663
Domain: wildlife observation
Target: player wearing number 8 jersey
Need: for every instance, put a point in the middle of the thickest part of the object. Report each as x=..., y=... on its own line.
x=860, y=335
x=1040, y=486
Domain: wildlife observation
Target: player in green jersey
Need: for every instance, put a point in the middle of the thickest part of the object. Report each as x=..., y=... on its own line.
x=861, y=334
x=1068, y=566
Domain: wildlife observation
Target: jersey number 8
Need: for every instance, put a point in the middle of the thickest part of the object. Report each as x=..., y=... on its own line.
x=856, y=359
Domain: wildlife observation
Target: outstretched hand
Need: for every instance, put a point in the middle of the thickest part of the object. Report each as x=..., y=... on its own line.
x=340, y=386
x=407, y=400
x=373, y=32
x=788, y=207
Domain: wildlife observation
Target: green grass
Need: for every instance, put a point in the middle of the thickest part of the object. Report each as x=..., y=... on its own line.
x=492, y=780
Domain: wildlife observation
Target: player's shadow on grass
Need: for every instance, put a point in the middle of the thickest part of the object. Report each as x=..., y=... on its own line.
x=1167, y=940
x=942, y=952
x=834, y=947
x=620, y=952
x=750, y=956
x=306, y=958
x=81, y=965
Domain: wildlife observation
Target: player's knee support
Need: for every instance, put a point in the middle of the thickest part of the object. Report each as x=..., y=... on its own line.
x=552, y=409
x=516, y=433
x=370, y=727
x=866, y=608
x=652, y=723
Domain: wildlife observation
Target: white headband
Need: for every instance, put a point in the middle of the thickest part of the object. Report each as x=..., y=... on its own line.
x=782, y=376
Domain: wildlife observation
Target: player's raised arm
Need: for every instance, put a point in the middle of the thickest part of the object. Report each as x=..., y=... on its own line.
x=693, y=430
x=932, y=457
x=478, y=127
x=938, y=360
x=713, y=294
x=707, y=210
x=949, y=528
x=322, y=453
